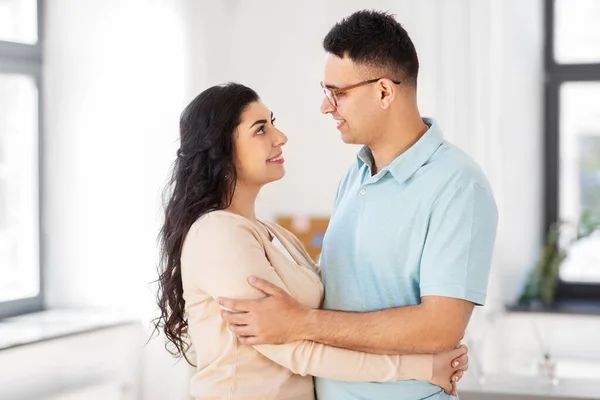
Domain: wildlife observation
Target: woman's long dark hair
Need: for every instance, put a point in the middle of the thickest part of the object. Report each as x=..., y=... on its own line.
x=203, y=180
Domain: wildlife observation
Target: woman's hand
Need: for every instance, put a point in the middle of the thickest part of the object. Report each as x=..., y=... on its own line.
x=448, y=368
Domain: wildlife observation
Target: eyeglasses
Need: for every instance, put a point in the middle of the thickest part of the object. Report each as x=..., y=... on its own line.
x=331, y=93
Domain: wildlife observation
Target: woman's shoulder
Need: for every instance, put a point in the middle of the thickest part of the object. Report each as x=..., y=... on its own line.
x=215, y=223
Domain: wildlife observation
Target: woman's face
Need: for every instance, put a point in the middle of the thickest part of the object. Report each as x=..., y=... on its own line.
x=258, y=155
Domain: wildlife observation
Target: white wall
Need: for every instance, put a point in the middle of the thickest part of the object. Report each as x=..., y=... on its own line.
x=112, y=99
x=119, y=72
x=117, y=75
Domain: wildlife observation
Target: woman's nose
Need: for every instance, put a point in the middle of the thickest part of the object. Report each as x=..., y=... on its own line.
x=280, y=139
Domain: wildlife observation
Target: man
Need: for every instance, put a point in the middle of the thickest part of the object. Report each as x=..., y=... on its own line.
x=409, y=245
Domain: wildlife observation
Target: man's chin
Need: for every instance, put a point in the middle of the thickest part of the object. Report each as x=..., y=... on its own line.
x=347, y=138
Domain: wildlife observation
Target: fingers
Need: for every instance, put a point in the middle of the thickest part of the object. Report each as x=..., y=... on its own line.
x=251, y=340
x=264, y=286
x=454, y=380
x=450, y=387
x=461, y=363
x=246, y=305
x=238, y=318
x=457, y=376
x=458, y=352
x=236, y=305
x=241, y=330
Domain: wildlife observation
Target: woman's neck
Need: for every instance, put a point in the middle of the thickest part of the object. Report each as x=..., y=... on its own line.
x=243, y=202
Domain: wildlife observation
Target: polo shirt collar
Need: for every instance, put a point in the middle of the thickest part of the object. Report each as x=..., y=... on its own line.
x=407, y=163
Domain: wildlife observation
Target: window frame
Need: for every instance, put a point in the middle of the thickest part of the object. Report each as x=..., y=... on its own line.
x=26, y=59
x=555, y=75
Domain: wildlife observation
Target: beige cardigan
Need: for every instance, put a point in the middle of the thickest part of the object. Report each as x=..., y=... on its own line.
x=220, y=252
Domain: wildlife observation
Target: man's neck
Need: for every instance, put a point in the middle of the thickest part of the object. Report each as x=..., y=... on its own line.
x=394, y=141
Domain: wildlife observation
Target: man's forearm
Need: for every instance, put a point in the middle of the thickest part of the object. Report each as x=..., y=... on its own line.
x=403, y=330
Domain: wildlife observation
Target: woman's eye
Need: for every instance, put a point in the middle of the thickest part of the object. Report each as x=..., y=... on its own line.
x=261, y=131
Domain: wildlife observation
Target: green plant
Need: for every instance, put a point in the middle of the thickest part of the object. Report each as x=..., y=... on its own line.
x=589, y=224
x=542, y=281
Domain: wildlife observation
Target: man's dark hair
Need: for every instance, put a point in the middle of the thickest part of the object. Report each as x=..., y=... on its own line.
x=375, y=39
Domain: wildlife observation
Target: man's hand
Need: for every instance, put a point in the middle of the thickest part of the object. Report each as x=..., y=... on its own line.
x=277, y=318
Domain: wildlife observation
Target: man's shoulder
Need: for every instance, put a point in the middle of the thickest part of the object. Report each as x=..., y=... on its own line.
x=453, y=176
x=451, y=166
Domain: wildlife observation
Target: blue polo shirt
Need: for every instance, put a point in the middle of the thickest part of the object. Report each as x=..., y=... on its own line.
x=424, y=225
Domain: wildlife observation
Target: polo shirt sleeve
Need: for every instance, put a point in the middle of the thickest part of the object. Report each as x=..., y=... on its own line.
x=459, y=244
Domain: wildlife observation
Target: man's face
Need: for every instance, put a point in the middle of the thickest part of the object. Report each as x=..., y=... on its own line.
x=358, y=112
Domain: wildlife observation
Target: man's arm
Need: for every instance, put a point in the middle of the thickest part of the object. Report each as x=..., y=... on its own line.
x=435, y=325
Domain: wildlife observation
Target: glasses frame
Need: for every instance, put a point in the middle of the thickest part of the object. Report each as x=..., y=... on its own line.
x=331, y=93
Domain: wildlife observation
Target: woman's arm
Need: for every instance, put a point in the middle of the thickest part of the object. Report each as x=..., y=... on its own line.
x=222, y=251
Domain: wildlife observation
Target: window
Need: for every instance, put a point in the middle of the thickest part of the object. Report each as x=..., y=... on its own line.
x=20, y=77
x=18, y=21
x=572, y=148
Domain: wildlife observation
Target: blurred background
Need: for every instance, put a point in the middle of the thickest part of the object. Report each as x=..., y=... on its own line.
x=90, y=96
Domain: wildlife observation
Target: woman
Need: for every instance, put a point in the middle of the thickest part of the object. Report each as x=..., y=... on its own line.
x=211, y=242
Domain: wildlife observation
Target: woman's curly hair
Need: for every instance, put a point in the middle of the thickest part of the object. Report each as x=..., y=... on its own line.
x=203, y=180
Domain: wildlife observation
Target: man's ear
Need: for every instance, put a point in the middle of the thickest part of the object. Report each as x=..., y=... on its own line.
x=387, y=92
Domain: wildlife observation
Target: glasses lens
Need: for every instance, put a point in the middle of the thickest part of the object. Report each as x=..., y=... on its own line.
x=330, y=97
